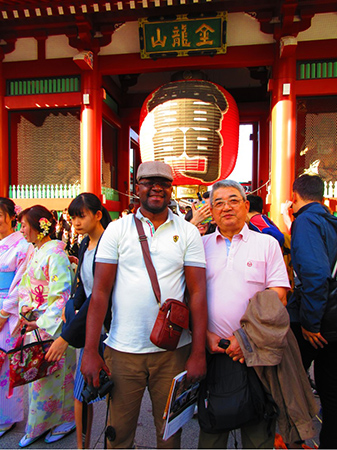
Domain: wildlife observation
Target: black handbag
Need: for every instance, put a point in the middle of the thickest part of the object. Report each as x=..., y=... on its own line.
x=231, y=395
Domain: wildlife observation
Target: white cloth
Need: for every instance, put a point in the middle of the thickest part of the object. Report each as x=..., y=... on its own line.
x=86, y=271
x=175, y=244
x=254, y=263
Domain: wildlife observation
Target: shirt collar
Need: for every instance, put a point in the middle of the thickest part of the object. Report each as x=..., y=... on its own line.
x=140, y=216
x=243, y=234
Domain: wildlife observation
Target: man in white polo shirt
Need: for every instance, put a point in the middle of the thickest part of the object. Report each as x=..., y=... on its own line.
x=134, y=362
x=240, y=263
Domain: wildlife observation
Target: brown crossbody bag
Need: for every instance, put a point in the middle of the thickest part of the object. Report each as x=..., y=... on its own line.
x=173, y=315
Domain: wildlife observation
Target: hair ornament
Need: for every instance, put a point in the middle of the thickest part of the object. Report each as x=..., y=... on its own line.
x=17, y=209
x=45, y=226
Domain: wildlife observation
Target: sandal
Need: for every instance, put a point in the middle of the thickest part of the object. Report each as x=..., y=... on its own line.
x=9, y=428
x=25, y=441
x=60, y=432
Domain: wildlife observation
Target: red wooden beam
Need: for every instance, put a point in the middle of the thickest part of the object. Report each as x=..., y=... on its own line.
x=37, y=69
x=66, y=100
x=240, y=56
x=320, y=49
x=323, y=86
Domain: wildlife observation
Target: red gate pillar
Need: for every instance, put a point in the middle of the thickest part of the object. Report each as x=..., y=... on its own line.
x=283, y=127
x=4, y=162
x=91, y=130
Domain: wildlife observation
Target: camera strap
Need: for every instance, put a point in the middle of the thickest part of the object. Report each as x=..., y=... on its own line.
x=109, y=431
x=84, y=422
x=106, y=421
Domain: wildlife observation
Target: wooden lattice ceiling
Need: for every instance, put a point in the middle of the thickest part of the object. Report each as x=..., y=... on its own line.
x=30, y=9
x=39, y=18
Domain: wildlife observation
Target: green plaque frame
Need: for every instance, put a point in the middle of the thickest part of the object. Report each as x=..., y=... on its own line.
x=184, y=36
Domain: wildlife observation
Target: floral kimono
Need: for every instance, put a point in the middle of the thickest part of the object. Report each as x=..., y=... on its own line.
x=14, y=254
x=46, y=287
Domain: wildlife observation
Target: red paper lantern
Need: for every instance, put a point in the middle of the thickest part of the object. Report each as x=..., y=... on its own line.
x=192, y=125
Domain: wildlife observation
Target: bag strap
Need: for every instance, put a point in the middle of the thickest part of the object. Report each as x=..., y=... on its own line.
x=79, y=265
x=147, y=259
x=85, y=244
x=22, y=339
x=109, y=431
x=74, y=283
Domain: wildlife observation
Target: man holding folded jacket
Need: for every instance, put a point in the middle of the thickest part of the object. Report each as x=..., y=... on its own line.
x=240, y=263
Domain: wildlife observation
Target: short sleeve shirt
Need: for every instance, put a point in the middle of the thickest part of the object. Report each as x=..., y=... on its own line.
x=173, y=245
x=253, y=263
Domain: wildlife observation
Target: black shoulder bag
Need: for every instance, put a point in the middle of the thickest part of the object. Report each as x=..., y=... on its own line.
x=232, y=395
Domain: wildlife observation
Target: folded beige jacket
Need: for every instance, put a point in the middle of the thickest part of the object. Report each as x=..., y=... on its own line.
x=269, y=345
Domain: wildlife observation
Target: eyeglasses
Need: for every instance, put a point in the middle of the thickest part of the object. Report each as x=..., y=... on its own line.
x=232, y=203
x=150, y=183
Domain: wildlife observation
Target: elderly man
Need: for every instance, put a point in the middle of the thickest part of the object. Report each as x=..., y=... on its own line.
x=240, y=263
x=133, y=361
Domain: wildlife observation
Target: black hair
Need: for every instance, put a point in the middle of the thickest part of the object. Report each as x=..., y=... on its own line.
x=255, y=203
x=309, y=187
x=55, y=214
x=87, y=200
x=8, y=207
x=34, y=214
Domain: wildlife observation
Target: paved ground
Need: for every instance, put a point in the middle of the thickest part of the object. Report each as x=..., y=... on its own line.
x=145, y=436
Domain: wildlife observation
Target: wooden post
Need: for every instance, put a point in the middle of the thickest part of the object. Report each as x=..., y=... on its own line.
x=4, y=157
x=283, y=127
x=91, y=130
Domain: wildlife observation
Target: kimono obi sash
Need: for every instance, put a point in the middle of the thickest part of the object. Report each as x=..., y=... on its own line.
x=6, y=279
x=38, y=291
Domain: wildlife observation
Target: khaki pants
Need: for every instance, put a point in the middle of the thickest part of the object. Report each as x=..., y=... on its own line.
x=132, y=373
x=252, y=436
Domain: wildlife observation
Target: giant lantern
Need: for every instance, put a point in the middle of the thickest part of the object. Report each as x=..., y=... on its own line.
x=192, y=125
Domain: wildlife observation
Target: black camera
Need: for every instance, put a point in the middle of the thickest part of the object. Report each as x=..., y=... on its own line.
x=224, y=343
x=90, y=393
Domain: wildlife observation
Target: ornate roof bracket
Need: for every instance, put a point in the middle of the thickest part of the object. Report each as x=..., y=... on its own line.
x=7, y=45
x=84, y=36
x=288, y=20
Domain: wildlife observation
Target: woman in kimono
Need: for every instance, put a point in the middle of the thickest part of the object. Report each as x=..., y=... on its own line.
x=43, y=292
x=14, y=254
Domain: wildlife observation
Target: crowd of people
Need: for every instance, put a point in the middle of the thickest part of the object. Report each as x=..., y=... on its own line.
x=226, y=260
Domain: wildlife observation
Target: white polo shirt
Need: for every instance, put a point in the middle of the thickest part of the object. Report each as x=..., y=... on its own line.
x=237, y=270
x=175, y=244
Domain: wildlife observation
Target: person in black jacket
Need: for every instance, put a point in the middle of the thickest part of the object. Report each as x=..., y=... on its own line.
x=91, y=218
x=313, y=254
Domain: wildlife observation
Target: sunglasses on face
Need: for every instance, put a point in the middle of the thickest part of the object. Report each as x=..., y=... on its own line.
x=165, y=184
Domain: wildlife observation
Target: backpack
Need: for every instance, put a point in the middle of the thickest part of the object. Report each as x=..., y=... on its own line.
x=232, y=395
